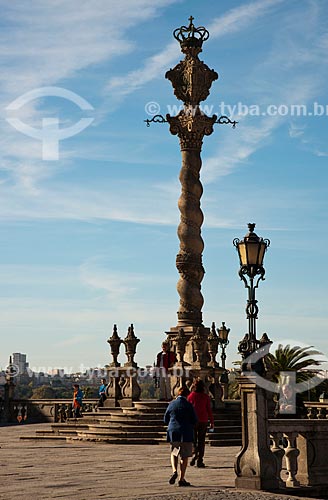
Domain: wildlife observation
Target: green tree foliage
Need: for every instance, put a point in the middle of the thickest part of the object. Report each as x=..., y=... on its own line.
x=148, y=390
x=294, y=359
x=23, y=391
x=43, y=392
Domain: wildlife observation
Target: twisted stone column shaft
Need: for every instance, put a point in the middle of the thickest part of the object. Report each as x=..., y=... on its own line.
x=189, y=258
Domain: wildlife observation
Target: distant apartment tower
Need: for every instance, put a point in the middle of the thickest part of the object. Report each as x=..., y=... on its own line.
x=19, y=360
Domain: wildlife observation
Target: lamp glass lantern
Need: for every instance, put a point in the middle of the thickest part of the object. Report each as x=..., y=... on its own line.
x=223, y=334
x=251, y=251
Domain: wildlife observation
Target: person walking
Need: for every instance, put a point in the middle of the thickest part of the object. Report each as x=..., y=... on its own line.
x=165, y=360
x=180, y=417
x=202, y=404
x=77, y=401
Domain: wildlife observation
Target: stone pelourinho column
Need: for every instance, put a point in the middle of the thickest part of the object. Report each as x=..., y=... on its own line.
x=191, y=80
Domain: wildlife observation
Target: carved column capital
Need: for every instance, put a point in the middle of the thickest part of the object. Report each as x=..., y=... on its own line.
x=190, y=125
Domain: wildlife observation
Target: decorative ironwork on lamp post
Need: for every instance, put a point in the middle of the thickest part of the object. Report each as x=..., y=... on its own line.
x=251, y=250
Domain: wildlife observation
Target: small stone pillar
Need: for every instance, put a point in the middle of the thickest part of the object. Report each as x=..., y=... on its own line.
x=113, y=390
x=179, y=373
x=130, y=388
x=255, y=465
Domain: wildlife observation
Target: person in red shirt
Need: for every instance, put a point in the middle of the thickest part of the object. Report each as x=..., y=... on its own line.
x=164, y=361
x=202, y=404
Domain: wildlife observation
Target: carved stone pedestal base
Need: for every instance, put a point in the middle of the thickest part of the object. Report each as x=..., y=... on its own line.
x=256, y=465
x=193, y=355
x=123, y=387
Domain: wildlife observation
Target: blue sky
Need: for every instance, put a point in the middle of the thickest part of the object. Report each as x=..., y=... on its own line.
x=90, y=240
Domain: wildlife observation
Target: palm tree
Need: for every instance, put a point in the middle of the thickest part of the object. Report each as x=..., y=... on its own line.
x=292, y=359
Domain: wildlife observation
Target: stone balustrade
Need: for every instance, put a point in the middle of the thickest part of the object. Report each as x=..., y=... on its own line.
x=304, y=450
x=41, y=410
x=316, y=410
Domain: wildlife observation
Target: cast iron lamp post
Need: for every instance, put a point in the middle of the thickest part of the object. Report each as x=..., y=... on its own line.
x=223, y=342
x=251, y=250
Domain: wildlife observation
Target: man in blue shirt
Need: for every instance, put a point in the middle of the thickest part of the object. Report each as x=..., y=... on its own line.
x=102, y=392
x=180, y=417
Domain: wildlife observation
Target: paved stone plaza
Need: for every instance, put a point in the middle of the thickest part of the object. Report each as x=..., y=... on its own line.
x=42, y=470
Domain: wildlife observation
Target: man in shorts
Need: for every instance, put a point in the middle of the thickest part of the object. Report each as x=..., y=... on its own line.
x=180, y=417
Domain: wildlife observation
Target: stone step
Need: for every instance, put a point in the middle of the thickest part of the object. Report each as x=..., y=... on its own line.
x=40, y=437
x=130, y=428
x=227, y=416
x=225, y=442
x=230, y=429
x=44, y=433
x=116, y=440
x=148, y=411
x=68, y=432
x=136, y=416
x=123, y=434
x=227, y=423
x=141, y=424
x=161, y=405
x=132, y=423
x=224, y=435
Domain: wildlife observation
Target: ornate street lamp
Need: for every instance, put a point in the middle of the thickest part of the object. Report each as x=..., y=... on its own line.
x=251, y=252
x=223, y=342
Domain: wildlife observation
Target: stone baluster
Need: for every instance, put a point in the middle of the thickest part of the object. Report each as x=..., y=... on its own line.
x=60, y=412
x=322, y=413
x=213, y=345
x=291, y=454
x=311, y=412
x=279, y=453
x=21, y=409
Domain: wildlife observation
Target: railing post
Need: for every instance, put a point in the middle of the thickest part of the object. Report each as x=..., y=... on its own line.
x=291, y=454
x=279, y=453
x=256, y=465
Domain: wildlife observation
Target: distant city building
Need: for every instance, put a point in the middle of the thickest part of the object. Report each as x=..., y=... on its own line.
x=19, y=360
x=57, y=372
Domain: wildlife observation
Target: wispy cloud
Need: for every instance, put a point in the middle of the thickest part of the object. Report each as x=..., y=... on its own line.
x=294, y=48
x=44, y=43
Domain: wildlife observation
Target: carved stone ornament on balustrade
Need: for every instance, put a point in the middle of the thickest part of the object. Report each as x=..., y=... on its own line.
x=130, y=343
x=213, y=345
x=199, y=341
x=115, y=342
x=180, y=342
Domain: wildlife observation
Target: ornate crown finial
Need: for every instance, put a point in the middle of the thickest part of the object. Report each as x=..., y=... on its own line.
x=190, y=35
